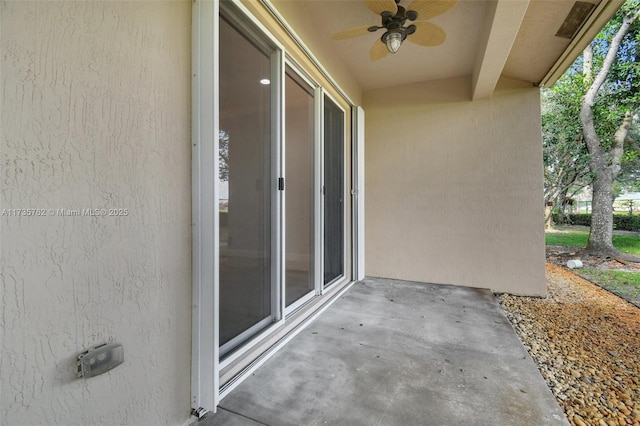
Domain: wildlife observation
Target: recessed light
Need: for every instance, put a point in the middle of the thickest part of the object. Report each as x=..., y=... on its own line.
x=265, y=81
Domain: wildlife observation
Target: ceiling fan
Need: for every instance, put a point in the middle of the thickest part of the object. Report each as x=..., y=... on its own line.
x=394, y=18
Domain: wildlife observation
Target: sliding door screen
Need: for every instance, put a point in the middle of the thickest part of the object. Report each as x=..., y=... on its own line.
x=245, y=185
x=334, y=215
x=299, y=163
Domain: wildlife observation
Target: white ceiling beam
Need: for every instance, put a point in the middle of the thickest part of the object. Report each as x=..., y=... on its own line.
x=502, y=23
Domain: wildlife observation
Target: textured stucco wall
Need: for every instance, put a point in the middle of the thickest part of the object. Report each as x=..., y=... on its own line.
x=454, y=188
x=95, y=115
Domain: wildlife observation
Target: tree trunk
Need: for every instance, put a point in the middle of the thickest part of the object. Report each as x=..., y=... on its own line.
x=587, y=63
x=562, y=199
x=601, y=234
x=548, y=219
x=606, y=168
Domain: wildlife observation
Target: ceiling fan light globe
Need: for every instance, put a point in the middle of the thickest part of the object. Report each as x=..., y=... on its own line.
x=393, y=41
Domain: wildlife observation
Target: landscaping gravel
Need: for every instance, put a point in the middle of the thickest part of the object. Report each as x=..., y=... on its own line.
x=561, y=255
x=586, y=343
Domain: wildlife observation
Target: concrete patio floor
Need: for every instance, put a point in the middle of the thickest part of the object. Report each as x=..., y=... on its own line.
x=392, y=352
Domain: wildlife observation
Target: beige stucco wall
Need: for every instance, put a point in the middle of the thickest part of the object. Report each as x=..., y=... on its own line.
x=454, y=187
x=95, y=115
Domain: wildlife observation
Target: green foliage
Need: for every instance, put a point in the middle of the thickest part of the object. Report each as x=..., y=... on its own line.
x=629, y=178
x=620, y=222
x=617, y=276
x=626, y=222
x=617, y=189
x=566, y=159
x=625, y=284
x=566, y=239
x=623, y=77
x=621, y=92
x=565, y=156
x=625, y=243
x=574, y=219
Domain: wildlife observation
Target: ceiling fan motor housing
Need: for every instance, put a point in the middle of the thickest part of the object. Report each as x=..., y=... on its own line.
x=395, y=23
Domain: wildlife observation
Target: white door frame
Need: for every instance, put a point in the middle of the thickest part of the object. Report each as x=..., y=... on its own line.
x=205, y=210
x=357, y=192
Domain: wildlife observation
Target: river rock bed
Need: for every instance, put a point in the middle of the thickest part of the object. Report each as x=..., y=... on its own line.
x=586, y=343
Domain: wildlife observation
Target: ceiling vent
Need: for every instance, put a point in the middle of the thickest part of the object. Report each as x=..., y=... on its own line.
x=574, y=20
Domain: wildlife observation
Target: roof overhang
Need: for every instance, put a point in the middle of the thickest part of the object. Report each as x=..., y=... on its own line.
x=602, y=14
x=486, y=41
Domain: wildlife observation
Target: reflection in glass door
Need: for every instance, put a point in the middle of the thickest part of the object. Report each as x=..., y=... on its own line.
x=333, y=191
x=245, y=186
x=299, y=164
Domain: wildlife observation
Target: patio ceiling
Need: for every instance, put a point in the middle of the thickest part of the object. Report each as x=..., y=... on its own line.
x=485, y=40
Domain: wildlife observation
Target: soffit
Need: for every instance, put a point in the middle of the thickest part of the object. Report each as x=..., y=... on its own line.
x=463, y=25
x=536, y=47
x=485, y=40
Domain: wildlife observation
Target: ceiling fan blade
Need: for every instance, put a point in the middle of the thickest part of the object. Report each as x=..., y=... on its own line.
x=379, y=6
x=427, y=34
x=351, y=32
x=378, y=51
x=428, y=9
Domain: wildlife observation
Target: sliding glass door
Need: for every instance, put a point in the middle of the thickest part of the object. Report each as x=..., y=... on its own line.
x=281, y=185
x=333, y=189
x=271, y=199
x=247, y=290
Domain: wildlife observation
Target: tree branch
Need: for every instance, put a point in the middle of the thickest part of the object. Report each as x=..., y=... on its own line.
x=587, y=64
x=627, y=21
x=617, y=148
x=598, y=159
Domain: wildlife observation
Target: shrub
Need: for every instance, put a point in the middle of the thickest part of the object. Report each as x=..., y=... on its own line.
x=620, y=222
x=573, y=219
x=626, y=223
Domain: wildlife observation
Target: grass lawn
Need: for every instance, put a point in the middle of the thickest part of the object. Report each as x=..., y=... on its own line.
x=579, y=238
x=624, y=284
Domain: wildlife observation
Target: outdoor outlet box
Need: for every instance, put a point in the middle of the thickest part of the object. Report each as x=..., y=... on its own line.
x=100, y=359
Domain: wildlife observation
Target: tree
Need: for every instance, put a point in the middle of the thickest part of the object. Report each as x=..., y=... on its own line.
x=223, y=155
x=629, y=178
x=566, y=159
x=607, y=113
